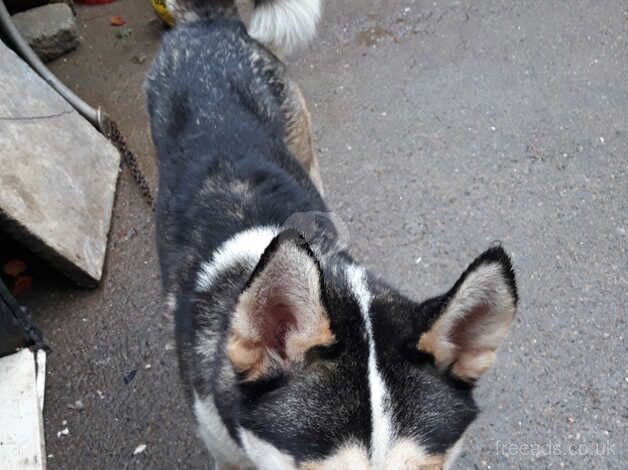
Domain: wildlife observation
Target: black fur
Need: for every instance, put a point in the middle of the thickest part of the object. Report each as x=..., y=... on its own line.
x=426, y=402
x=326, y=402
x=216, y=122
x=214, y=99
x=217, y=125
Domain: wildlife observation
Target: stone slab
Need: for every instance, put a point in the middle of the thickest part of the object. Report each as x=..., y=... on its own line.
x=57, y=174
x=50, y=30
x=22, y=445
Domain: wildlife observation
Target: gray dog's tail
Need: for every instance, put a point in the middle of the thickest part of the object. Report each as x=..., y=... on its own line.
x=281, y=25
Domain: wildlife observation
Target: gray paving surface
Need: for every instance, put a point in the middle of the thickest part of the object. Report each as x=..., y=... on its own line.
x=442, y=126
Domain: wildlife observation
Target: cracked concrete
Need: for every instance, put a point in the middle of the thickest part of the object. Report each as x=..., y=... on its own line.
x=35, y=118
x=441, y=126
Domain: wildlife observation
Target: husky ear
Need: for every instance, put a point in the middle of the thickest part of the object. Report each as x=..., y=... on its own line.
x=477, y=315
x=280, y=313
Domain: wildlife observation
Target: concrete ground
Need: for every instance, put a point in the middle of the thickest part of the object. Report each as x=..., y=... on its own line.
x=442, y=126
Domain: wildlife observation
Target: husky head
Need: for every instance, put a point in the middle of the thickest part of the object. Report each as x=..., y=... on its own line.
x=335, y=369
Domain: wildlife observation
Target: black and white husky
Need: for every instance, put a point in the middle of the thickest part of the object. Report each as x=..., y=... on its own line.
x=292, y=354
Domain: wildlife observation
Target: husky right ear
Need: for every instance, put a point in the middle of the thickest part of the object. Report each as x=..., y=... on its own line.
x=474, y=317
x=280, y=314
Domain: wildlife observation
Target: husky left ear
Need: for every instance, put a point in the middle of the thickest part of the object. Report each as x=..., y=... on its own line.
x=280, y=313
x=477, y=315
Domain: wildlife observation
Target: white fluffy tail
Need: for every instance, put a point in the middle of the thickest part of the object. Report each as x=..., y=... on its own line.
x=285, y=25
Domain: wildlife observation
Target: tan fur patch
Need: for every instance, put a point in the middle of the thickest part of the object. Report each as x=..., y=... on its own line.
x=279, y=316
x=473, y=365
x=354, y=457
x=407, y=455
x=437, y=345
x=474, y=324
x=468, y=365
x=426, y=342
x=404, y=455
x=322, y=336
x=298, y=136
x=246, y=356
x=250, y=357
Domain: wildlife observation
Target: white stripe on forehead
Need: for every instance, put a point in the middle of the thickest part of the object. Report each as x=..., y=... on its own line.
x=382, y=433
x=244, y=247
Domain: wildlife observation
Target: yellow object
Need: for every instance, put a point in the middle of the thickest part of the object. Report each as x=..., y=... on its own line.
x=162, y=11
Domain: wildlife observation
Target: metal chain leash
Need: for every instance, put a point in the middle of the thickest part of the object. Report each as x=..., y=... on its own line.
x=111, y=130
x=96, y=116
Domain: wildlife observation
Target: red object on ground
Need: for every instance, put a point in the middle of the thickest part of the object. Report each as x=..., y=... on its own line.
x=117, y=21
x=95, y=2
